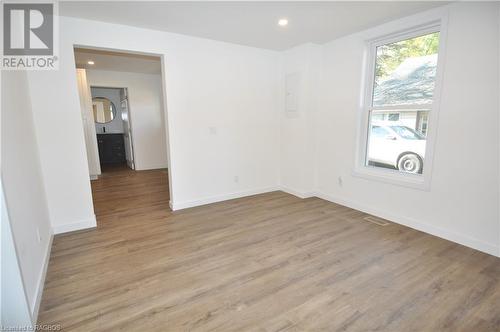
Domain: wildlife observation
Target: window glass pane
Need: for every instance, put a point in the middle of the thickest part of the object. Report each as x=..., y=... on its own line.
x=393, y=117
x=422, y=119
x=398, y=144
x=378, y=117
x=405, y=71
x=378, y=131
x=407, y=132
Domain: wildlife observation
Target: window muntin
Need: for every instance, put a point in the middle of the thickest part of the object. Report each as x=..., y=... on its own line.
x=401, y=99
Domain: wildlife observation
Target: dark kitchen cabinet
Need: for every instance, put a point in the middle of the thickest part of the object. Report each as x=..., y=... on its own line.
x=111, y=148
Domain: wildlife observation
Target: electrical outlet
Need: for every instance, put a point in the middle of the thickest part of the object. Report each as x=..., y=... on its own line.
x=212, y=130
x=236, y=179
x=340, y=181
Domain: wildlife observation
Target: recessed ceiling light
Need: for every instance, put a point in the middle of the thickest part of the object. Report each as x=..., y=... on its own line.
x=283, y=22
x=90, y=62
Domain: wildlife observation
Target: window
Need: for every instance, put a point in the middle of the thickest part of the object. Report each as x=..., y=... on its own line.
x=378, y=117
x=422, y=119
x=393, y=117
x=407, y=133
x=397, y=112
x=379, y=132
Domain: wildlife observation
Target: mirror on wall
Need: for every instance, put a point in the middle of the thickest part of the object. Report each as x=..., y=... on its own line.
x=104, y=110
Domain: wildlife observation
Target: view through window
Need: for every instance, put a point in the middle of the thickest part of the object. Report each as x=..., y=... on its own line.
x=402, y=96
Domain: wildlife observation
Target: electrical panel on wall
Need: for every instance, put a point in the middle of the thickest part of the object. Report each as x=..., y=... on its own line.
x=292, y=83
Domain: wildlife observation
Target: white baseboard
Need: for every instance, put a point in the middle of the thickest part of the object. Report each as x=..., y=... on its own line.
x=465, y=240
x=75, y=226
x=299, y=194
x=35, y=306
x=213, y=199
x=150, y=167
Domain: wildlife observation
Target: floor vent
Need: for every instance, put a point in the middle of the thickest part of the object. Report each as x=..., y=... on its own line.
x=377, y=220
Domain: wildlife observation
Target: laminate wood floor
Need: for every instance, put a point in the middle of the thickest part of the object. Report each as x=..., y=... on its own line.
x=270, y=262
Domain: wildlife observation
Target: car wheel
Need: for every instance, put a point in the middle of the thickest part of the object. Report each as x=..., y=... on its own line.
x=410, y=163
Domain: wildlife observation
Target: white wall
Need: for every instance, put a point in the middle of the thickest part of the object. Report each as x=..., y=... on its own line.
x=88, y=124
x=14, y=307
x=298, y=147
x=222, y=118
x=462, y=204
x=24, y=186
x=146, y=113
x=60, y=136
x=116, y=125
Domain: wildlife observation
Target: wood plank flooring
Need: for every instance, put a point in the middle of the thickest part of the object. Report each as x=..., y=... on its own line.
x=270, y=262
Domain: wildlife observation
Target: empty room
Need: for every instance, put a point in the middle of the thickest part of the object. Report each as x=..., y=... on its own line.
x=250, y=166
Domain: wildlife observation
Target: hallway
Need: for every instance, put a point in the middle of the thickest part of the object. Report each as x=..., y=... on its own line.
x=121, y=190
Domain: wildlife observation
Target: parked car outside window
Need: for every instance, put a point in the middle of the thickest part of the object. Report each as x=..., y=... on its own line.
x=396, y=146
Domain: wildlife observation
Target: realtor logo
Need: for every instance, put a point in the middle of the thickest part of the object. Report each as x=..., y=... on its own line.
x=29, y=36
x=28, y=29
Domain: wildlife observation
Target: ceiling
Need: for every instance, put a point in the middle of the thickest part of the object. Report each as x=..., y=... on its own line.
x=249, y=23
x=125, y=62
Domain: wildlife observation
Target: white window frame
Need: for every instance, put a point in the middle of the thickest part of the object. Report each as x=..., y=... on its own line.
x=361, y=169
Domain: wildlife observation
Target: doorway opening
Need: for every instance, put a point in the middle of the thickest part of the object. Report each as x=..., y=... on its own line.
x=125, y=128
x=114, y=134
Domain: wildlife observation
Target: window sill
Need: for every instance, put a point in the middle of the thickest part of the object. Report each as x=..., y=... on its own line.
x=394, y=177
